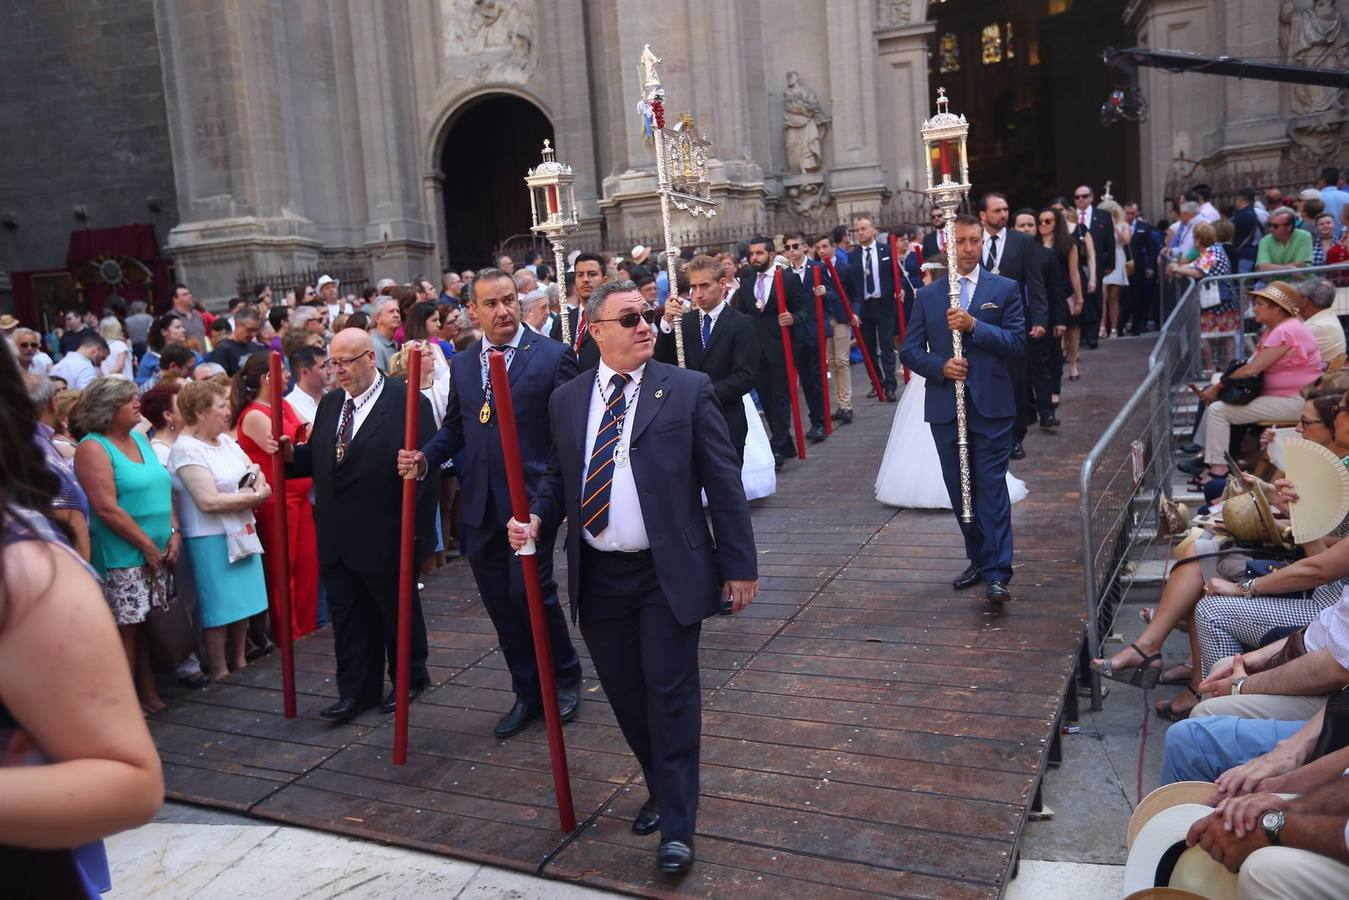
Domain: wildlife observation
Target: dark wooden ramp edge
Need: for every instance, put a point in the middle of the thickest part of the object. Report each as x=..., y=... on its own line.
x=867, y=729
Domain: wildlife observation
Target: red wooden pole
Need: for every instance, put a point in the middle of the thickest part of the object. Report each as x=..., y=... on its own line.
x=824, y=358
x=791, y=366
x=899, y=294
x=529, y=565
x=857, y=332
x=276, y=382
x=407, y=576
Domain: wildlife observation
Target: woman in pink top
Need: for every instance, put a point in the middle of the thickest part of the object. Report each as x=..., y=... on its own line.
x=1286, y=355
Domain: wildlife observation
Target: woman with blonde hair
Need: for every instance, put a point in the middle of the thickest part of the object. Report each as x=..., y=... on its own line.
x=119, y=361
x=1119, y=276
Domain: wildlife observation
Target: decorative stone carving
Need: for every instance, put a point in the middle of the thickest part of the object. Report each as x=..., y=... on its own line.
x=1313, y=33
x=893, y=13
x=803, y=127
x=806, y=194
x=491, y=39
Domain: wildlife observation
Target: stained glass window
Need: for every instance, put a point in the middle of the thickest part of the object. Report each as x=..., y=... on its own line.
x=1009, y=44
x=948, y=53
x=990, y=41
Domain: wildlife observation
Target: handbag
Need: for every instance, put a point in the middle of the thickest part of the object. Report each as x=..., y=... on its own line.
x=172, y=637
x=241, y=535
x=1239, y=391
x=1209, y=295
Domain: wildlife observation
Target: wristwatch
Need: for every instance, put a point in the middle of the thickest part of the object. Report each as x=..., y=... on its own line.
x=1272, y=822
x=1236, y=685
x=1248, y=587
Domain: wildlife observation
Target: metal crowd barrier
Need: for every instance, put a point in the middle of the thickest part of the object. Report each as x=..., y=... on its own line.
x=1130, y=468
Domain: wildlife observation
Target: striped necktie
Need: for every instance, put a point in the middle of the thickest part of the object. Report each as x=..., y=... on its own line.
x=599, y=480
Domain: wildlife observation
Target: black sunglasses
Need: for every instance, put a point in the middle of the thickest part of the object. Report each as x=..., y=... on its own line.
x=630, y=320
x=795, y=246
x=28, y=346
x=1081, y=196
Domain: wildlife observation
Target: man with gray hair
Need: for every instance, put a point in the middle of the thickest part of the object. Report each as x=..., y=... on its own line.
x=208, y=370
x=138, y=327
x=387, y=319
x=1284, y=247
x=534, y=310
x=1318, y=296
x=31, y=358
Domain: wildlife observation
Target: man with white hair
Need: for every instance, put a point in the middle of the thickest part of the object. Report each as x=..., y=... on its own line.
x=534, y=311
x=1285, y=246
x=31, y=358
x=387, y=319
x=208, y=370
x=1318, y=296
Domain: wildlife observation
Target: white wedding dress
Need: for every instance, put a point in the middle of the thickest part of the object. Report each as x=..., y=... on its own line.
x=758, y=474
x=910, y=474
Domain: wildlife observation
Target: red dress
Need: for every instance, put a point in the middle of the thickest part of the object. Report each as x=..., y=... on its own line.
x=300, y=533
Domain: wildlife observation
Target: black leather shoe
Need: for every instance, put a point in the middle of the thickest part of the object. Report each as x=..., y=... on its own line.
x=1189, y=447
x=514, y=722
x=345, y=709
x=194, y=682
x=675, y=857
x=1018, y=451
x=390, y=702
x=847, y=417
x=1051, y=422
x=889, y=395
x=997, y=592
x=1191, y=466
x=778, y=461
x=837, y=416
x=816, y=434
x=568, y=703
x=968, y=578
x=648, y=820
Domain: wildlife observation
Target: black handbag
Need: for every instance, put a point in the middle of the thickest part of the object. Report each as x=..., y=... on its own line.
x=1335, y=729
x=1239, y=391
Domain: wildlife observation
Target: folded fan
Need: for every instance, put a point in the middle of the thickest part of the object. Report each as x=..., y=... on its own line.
x=1322, y=484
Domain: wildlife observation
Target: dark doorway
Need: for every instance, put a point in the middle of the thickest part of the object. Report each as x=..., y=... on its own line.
x=489, y=147
x=1029, y=77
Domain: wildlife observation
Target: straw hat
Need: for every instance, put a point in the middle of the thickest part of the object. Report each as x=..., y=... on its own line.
x=1164, y=797
x=1281, y=294
x=8, y=322
x=1159, y=858
x=1248, y=518
x=639, y=253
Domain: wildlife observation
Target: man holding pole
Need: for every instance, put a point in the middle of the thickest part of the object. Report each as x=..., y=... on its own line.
x=991, y=319
x=589, y=271
x=806, y=336
x=872, y=279
x=537, y=366
x=357, y=430
x=637, y=442
x=757, y=299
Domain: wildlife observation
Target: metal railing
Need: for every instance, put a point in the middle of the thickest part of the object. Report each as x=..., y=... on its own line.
x=1130, y=468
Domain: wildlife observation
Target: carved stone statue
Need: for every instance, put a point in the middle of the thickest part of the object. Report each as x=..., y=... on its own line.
x=495, y=36
x=803, y=125
x=1313, y=33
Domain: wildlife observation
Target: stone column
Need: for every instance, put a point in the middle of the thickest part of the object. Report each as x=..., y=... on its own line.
x=857, y=182
x=905, y=91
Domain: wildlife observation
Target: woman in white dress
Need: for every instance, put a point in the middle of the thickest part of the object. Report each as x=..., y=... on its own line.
x=1118, y=279
x=910, y=475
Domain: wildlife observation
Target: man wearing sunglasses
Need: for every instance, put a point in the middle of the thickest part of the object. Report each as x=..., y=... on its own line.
x=637, y=443
x=537, y=366
x=806, y=336
x=1102, y=230
x=31, y=357
x=1284, y=246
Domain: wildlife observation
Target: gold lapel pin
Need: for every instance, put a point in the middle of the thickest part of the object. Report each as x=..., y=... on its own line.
x=660, y=393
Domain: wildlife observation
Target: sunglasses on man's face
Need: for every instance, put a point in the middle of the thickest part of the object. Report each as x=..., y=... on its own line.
x=27, y=346
x=1082, y=196
x=630, y=320
x=795, y=246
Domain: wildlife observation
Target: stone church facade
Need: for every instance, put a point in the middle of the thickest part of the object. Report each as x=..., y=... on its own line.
x=273, y=136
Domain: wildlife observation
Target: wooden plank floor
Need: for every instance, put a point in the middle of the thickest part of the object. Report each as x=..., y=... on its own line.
x=866, y=729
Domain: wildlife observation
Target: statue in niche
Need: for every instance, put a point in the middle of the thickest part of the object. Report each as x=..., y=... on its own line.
x=803, y=125
x=496, y=34
x=1313, y=33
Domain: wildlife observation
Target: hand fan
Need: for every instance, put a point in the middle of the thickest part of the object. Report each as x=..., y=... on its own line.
x=1322, y=484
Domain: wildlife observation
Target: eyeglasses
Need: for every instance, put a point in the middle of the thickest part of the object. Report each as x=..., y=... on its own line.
x=27, y=346
x=1082, y=196
x=794, y=245
x=344, y=364
x=1047, y=221
x=1308, y=423
x=630, y=320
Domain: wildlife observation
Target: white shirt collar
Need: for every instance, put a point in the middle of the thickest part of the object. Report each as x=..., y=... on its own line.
x=716, y=310
x=514, y=342
x=606, y=376
x=973, y=276
x=1000, y=234
x=370, y=392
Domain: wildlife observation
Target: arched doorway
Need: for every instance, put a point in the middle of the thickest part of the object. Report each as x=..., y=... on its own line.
x=490, y=145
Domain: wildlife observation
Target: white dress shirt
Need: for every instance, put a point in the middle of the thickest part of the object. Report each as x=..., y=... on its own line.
x=513, y=343
x=305, y=406
x=76, y=369
x=364, y=403
x=974, y=284
x=665, y=327
x=997, y=253
x=1330, y=631
x=869, y=250
x=626, y=530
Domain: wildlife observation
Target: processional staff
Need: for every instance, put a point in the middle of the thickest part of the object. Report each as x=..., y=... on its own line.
x=552, y=203
x=944, y=135
x=681, y=172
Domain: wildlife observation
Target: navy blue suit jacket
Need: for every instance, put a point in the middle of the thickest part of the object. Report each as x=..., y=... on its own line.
x=539, y=366
x=855, y=278
x=999, y=335
x=678, y=447
x=808, y=331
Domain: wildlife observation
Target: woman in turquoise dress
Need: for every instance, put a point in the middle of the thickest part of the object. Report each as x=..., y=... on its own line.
x=218, y=489
x=133, y=538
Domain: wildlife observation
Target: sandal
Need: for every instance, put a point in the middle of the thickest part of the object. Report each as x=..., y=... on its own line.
x=1144, y=675
x=1167, y=709
x=1180, y=674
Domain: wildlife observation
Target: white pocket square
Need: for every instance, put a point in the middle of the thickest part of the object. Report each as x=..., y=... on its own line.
x=988, y=306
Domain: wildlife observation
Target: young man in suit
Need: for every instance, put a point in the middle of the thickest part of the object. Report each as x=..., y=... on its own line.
x=757, y=298
x=806, y=336
x=872, y=278
x=993, y=336
x=934, y=242
x=589, y=273
x=358, y=430
x=1144, y=246
x=839, y=336
x=536, y=367
x=637, y=443
x=1102, y=229
x=1011, y=254
x=718, y=341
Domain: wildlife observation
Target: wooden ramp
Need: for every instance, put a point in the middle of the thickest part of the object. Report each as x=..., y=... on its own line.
x=866, y=729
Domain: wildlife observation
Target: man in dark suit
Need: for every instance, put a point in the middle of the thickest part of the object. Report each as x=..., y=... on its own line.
x=806, y=336
x=637, y=442
x=536, y=367
x=718, y=341
x=872, y=278
x=1011, y=254
x=757, y=298
x=357, y=433
x=1145, y=244
x=994, y=334
x=1102, y=230
x=589, y=275
x=838, y=331
x=934, y=242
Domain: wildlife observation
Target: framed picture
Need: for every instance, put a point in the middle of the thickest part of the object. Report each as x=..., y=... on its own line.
x=52, y=292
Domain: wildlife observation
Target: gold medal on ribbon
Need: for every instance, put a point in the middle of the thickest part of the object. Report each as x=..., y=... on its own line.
x=485, y=414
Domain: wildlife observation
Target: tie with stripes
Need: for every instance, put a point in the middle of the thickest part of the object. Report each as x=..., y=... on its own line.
x=595, y=494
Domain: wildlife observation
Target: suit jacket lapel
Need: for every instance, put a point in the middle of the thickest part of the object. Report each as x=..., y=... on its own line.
x=523, y=354
x=583, y=385
x=648, y=404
